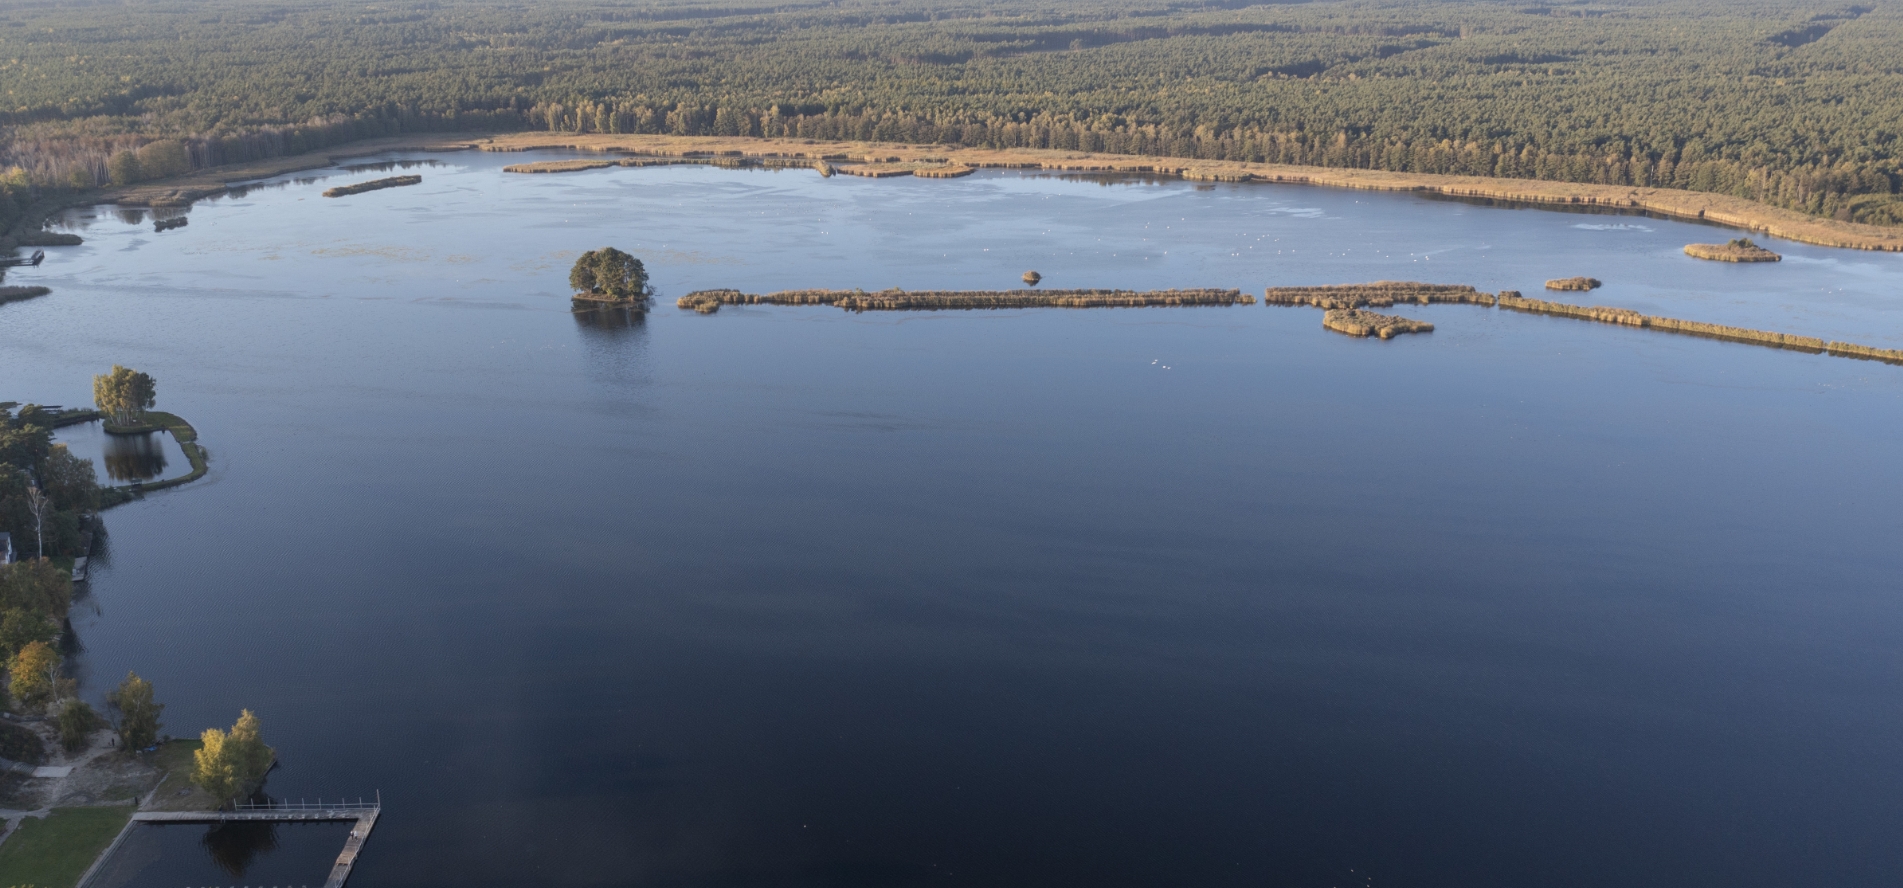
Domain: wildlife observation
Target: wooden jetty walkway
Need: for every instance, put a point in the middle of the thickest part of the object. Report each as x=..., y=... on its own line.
x=38, y=257
x=362, y=812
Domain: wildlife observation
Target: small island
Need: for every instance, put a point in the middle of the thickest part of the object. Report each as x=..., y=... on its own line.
x=169, y=224
x=1032, y=277
x=1574, y=283
x=372, y=185
x=609, y=276
x=1356, y=322
x=1735, y=250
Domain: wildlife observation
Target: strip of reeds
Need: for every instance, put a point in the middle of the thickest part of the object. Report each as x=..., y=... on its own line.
x=709, y=301
x=952, y=171
x=1629, y=318
x=1574, y=283
x=372, y=185
x=558, y=166
x=1355, y=322
x=1865, y=352
x=1379, y=294
x=169, y=224
x=15, y=294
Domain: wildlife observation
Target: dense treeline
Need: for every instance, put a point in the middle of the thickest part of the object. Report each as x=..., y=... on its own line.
x=1790, y=103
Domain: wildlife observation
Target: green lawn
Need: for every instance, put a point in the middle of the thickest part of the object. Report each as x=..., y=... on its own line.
x=55, y=851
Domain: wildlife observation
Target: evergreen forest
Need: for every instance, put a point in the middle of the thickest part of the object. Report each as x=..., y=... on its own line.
x=1791, y=103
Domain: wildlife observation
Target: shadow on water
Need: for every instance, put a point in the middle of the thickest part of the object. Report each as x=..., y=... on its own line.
x=135, y=457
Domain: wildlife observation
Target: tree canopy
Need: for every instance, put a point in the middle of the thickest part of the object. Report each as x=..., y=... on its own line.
x=125, y=394
x=228, y=764
x=138, y=714
x=611, y=274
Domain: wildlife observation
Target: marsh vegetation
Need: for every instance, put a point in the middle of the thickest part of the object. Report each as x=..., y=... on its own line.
x=1357, y=322
x=1379, y=294
x=1574, y=283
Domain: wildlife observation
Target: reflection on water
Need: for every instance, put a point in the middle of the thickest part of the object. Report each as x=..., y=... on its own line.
x=235, y=845
x=611, y=321
x=135, y=457
x=387, y=165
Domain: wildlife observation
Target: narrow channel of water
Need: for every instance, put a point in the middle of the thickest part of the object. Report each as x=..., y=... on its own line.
x=1116, y=597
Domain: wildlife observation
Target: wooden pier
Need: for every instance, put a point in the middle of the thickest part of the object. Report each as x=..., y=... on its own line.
x=38, y=257
x=363, y=813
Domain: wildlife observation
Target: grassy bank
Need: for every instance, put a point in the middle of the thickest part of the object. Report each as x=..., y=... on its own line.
x=54, y=851
x=175, y=791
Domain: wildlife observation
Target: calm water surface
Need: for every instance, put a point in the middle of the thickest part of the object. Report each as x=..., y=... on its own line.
x=281, y=855
x=788, y=596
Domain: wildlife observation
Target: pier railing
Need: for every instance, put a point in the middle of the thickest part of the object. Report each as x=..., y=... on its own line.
x=360, y=804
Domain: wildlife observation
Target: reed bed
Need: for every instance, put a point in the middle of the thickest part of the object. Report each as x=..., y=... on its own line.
x=558, y=166
x=373, y=185
x=15, y=294
x=1738, y=250
x=1865, y=352
x=1380, y=294
x=169, y=224
x=876, y=171
x=1355, y=322
x=709, y=301
x=1574, y=283
x=950, y=171
x=1629, y=318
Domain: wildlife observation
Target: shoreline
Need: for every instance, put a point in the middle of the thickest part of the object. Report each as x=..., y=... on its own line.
x=939, y=160
x=1719, y=209
x=182, y=432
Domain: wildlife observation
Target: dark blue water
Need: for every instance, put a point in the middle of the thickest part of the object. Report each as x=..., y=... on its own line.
x=788, y=596
x=291, y=855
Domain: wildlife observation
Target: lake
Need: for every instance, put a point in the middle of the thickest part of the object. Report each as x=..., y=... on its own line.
x=1118, y=597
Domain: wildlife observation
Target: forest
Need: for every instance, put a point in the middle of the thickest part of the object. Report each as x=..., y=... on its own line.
x=1789, y=103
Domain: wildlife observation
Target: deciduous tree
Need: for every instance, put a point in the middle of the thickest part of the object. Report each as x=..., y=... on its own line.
x=31, y=673
x=138, y=713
